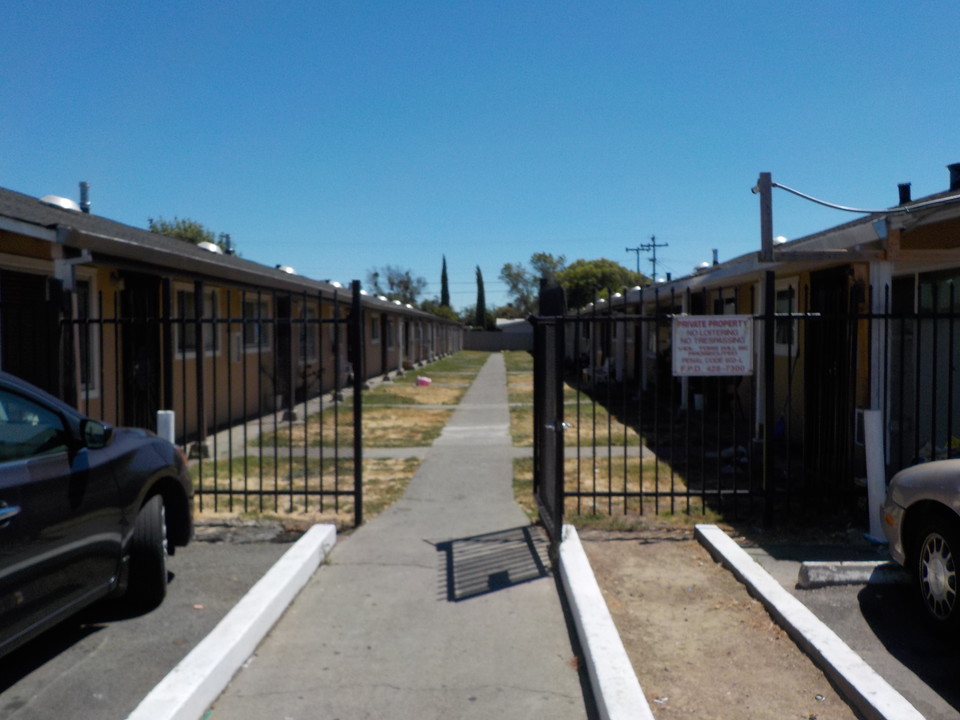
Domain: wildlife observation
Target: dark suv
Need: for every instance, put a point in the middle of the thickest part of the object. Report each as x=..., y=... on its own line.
x=87, y=511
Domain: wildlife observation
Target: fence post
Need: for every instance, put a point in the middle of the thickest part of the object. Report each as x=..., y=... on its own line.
x=769, y=320
x=356, y=340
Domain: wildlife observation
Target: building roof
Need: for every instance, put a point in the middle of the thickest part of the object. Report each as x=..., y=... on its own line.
x=136, y=248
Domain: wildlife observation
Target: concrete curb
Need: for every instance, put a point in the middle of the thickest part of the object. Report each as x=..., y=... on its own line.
x=615, y=686
x=817, y=574
x=189, y=689
x=872, y=696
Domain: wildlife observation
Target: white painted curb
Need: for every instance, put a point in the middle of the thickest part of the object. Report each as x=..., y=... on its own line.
x=860, y=684
x=817, y=574
x=189, y=689
x=615, y=686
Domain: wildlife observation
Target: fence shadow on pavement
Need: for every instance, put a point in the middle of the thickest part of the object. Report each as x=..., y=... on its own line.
x=482, y=564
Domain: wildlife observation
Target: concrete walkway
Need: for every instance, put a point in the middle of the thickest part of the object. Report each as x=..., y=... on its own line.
x=444, y=606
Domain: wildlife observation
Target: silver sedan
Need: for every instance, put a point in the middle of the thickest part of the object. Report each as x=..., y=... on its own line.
x=921, y=519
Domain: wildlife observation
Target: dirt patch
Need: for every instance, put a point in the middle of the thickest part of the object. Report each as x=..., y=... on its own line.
x=700, y=645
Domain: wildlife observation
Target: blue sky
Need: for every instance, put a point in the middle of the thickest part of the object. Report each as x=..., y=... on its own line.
x=341, y=136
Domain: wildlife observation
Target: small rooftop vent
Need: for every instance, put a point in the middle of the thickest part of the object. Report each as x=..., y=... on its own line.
x=287, y=269
x=954, y=169
x=60, y=202
x=210, y=247
x=334, y=283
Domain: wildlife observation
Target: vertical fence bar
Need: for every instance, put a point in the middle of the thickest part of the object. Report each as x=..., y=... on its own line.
x=672, y=420
x=657, y=319
x=593, y=402
x=337, y=373
x=231, y=348
x=245, y=334
x=214, y=325
x=950, y=368
x=357, y=342
x=624, y=384
x=324, y=336
x=769, y=300
x=309, y=329
x=918, y=336
x=638, y=358
x=581, y=367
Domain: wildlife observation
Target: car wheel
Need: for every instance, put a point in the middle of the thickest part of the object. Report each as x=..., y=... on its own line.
x=936, y=570
x=148, y=556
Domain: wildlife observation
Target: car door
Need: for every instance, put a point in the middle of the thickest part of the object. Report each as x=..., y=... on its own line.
x=59, y=519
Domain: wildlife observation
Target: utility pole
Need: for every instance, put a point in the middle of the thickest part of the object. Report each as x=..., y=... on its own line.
x=637, y=251
x=652, y=245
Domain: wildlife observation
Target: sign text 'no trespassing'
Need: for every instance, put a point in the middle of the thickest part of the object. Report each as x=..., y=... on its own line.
x=712, y=345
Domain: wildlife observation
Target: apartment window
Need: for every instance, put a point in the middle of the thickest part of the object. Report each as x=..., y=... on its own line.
x=256, y=326
x=309, y=336
x=938, y=290
x=785, y=339
x=187, y=326
x=375, y=329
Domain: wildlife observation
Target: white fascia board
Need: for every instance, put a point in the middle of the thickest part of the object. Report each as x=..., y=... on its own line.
x=30, y=230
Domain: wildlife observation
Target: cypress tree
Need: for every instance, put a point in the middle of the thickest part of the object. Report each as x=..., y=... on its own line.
x=481, y=319
x=444, y=285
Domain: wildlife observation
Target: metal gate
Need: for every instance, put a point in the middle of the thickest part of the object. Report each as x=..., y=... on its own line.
x=617, y=432
x=548, y=422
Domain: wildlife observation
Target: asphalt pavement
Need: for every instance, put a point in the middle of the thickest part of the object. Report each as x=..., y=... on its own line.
x=102, y=663
x=880, y=621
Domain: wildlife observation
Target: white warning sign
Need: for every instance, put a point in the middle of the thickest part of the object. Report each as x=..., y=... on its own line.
x=712, y=345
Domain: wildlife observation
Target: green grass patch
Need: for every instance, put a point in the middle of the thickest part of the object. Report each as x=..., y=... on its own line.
x=518, y=361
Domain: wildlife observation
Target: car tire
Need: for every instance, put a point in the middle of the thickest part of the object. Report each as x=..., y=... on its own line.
x=148, y=557
x=936, y=561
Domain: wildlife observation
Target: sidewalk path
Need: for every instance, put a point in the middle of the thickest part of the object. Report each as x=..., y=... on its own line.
x=441, y=607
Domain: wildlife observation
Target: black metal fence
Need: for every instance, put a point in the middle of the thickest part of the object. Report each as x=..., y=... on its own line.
x=262, y=389
x=640, y=439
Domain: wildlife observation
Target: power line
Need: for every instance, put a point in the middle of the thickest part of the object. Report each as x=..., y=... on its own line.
x=652, y=245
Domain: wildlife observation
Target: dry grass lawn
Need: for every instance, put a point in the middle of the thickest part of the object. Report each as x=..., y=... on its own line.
x=293, y=487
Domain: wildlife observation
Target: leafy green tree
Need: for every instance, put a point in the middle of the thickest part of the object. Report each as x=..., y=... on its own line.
x=523, y=285
x=396, y=284
x=547, y=266
x=444, y=285
x=434, y=306
x=189, y=231
x=586, y=279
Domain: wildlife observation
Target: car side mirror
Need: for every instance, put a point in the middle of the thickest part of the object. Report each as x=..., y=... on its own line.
x=95, y=434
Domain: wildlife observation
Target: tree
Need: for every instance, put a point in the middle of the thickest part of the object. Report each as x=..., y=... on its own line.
x=480, y=314
x=586, y=279
x=547, y=266
x=434, y=307
x=523, y=285
x=189, y=231
x=444, y=285
x=396, y=284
